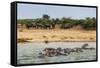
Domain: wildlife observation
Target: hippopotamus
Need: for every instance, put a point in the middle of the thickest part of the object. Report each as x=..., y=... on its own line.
x=84, y=46
x=67, y=50
x=60, y=51
x=87, y=48
x=41, y=55
x=49, y=52
x=77, y=50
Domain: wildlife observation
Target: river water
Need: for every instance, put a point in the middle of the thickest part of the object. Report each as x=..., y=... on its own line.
x=27, y=53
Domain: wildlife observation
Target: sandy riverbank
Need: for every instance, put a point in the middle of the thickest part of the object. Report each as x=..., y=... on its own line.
x=38, y=35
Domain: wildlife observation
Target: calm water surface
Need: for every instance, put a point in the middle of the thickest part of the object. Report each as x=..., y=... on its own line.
x=28, y=52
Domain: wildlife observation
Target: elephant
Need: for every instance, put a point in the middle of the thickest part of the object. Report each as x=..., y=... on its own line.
x=29, y=26
x=47, y=26
x=39, y=26
x=34, y=25
x=53, y=26
x=66, y=26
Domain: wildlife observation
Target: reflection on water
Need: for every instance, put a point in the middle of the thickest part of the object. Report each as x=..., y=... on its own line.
x=27, y=53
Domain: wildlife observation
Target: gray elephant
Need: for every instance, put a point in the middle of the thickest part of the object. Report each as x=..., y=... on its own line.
x=29, y=26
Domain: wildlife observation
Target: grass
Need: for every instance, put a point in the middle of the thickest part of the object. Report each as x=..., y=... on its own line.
x=23, y=39
x=26, y=35
x=20, y=30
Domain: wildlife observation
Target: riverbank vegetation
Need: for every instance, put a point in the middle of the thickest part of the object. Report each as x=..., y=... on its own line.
x=56, y=29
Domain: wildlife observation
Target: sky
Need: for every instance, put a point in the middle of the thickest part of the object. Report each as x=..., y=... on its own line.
x=33, y=11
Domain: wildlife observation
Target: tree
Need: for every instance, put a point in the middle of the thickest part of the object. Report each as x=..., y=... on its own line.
x=46, y=21
x=80, y=22
x=25, y=21
x=66, y=23
x=45, y=16
x=94, y=23
x=90, y=23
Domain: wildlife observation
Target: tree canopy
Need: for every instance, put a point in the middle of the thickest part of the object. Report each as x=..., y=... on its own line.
x=88, y=23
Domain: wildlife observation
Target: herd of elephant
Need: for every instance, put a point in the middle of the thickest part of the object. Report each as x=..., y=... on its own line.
x=48, y=26
x=51, y=52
